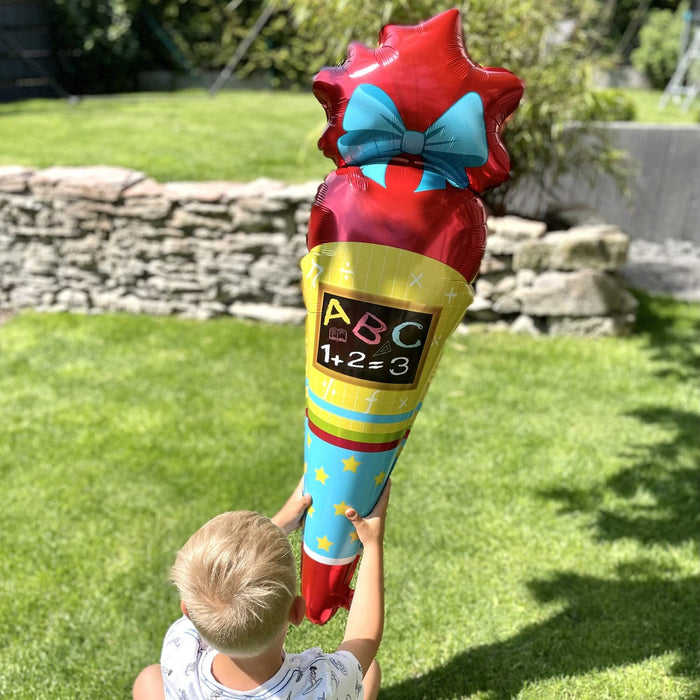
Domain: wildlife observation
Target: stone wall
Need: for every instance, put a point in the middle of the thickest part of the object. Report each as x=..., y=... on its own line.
x=103, y=239
x=108, y=239
x=556, y=282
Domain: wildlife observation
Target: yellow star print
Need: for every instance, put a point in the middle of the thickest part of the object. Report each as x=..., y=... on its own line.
x=321, y=475
x=324, y=543
x=340, y=508
x=354, y=537
x=351, y=464
x=311, y=511
x=379, y=478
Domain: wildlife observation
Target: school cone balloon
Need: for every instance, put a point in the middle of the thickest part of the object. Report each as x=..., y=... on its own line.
x=395, y=240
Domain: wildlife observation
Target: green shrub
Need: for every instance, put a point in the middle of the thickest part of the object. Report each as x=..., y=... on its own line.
x=516, y=35
x=522, y=37
x=659, y=40
x=611, y=105
x=103, y=45
x=95, y=45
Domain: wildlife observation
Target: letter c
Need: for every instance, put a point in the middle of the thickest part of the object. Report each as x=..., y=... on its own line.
x=395, y=334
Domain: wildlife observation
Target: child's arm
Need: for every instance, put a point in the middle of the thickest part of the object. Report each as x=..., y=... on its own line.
x=290, y=515
x=365, y=625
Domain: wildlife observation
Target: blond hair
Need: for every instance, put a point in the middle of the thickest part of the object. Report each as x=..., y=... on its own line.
x=237, y=578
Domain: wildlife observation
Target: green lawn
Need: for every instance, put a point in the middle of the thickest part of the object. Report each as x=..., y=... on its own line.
x=188, y=135
x=542, y=537
x=647, y=109
x=237, y=135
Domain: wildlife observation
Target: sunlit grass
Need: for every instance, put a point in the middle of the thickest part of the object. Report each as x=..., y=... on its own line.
x=542, y=536
x=237, y=135
x=648, y=109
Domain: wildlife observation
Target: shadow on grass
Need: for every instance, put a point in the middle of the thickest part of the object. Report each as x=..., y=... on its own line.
x=648, y=609
x=654, y=499
x=672, y=330
x=668, y=475
x=604, y=624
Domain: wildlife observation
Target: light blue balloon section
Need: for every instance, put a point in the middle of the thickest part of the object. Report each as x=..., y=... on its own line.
x=338, y=478
x=376, y=133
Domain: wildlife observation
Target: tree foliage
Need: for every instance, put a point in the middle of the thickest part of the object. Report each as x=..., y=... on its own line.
x=545, y=42
x=95, y=44
x=659, y=43
x=621, y=21
x=103, y=44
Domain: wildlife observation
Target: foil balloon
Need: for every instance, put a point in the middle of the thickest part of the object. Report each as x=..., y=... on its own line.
x=395, y=240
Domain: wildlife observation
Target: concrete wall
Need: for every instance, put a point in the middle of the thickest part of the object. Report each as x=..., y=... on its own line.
x=665, y=191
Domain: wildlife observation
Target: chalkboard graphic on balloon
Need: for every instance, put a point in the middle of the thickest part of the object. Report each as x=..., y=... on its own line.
x=371, y=340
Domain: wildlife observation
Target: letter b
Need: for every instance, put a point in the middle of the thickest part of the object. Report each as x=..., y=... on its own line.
x=369, y=329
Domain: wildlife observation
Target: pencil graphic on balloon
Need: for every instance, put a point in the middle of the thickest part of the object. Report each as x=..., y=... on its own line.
x=395, y=239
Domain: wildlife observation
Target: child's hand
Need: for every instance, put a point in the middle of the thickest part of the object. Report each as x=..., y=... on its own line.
x=370, y=530
x=365, y=625
x=291, y=514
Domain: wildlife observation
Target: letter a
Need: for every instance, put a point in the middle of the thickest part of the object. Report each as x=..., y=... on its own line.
x=374, y=330
x=334, y=310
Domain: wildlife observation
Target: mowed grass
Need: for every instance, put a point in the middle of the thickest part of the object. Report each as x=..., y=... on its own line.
x=543, y=530
x=188, y=135
x=649, y=110
x=237, y=135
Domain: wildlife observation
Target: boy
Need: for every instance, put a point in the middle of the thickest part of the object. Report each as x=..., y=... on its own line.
x=237, y=582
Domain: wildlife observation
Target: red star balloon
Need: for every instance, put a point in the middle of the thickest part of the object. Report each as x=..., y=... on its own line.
x=396, y=237
x=424, y=69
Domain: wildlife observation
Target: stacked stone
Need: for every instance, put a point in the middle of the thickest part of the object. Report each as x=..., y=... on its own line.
x=106, y=239
x=102, y=239
x=558, y=282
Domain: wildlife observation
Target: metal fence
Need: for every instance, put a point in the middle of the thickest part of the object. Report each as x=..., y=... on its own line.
x=26, y=64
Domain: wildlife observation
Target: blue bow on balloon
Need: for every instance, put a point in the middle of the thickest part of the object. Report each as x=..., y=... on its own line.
x=376, y=134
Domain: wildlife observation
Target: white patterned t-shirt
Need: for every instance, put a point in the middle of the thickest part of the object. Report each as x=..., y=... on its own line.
x=186, y=661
